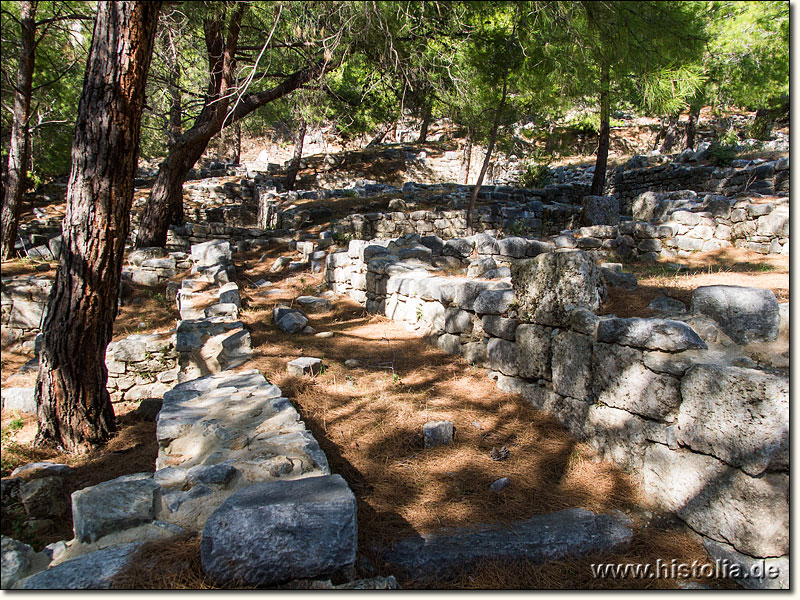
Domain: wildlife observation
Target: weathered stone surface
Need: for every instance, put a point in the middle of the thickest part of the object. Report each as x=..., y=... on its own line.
x=44, y=497
x=480, y=266
x=503, y=356
x=653, y=334
x=664, y=306
x=305, y=365
x=293, y=321
x=211, y=253
x=498, y=485
x=19, y=398
x=600, y=210
x=718, y=501
x=549, y=287
x=533, y=343
x=493, y=302
x=93, y=571
x=621, y=380
x=15, y=560
x=437, y=433
x=137, y=256
x=745, y=314
x=268, y=533
x=626, y=281
x=750, y=424
x=752, y=573
x=312, y=304
x=671, y=363
x=500, y=327
x=221, y=474
x=571, y=364
x=457, y=321
x=540, y=539
x=113, y=506
x=40, y=469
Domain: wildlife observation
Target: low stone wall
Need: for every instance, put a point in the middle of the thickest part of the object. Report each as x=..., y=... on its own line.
x=24, y=301
x=707, y=439
x=768, y=178
x=141, y=366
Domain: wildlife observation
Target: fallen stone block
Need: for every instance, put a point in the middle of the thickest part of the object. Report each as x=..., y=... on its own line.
x=15, y=560
x=93, y=571
x=437, y=433
x=268, y=533
x=745, y=314
x=556, y=536
x=114, y=505
x=305, y=365
x=21, y=399
x=653, y=334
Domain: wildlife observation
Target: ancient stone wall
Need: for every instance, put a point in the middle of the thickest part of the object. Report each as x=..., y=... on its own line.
x=707, y=439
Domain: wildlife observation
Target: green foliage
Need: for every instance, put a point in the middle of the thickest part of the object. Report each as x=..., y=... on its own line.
x=723, y=151
x=536, y=175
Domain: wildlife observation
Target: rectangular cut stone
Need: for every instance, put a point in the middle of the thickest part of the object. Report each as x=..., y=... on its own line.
x=621, y=380
x=571, y=364
x=533, y=342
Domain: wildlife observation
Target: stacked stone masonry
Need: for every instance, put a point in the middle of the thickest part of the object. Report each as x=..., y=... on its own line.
x=709, y=440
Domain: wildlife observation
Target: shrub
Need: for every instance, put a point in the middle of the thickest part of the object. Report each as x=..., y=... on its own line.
x=536, y=176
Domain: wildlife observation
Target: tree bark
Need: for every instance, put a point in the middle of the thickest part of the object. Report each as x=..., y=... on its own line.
x=488, y=158
x=387, y=127
x=691, y=126
x=603, y=143
x=670, y=134
x=19, y=148
x=74, y=408
x=294, y=166
x=426, y=121
x=467, y=160
x=165, y=202
x=237, y=142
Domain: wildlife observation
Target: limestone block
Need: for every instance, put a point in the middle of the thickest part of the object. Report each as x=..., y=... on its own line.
x=571, y=365
x=653, y=334
x=750, y=409
x=621, y=380
x=745, y=314
x=503, y=356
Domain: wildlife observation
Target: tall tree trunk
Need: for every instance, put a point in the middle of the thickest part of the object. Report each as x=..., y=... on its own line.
x=488, y=158
x=467, y=159
x=603, y=143
x=166, y=197
x=74, y=408
x=386, y=128
x=426, y=121
x=237, y=142
x=691, y=126
x=19, y=149
x=294, y=166
x=670, y=134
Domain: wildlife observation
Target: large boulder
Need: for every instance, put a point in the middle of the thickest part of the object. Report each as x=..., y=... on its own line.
x=600, y=210
x=653, y=334
x=549, y=287
x=750, y=424
x=16, y=559
x=745, y=314
x=268, y=533
x=93, y=571
x=114, y=505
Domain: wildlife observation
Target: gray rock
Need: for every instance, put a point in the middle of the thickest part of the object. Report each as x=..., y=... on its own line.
x=292, y=322
x=664, y=306
x=93, y=571
x=374, y=583
x=19, y=398
x=280, y=264
x=501, y=327
x=571, y=364
x=549, y=287
x=229, y=294
x=653, y=334
x=437, y=433
x=503, y=356
x=556, y=536
x=480, y=266
x=42, y=468
x=15, y=560
x=311, y=304
x=493, y=302
x=514, y=247
x=614, y=278
x=718, y=500
x=600, y=210
x=214, y=252
x=745, y=314
x=139, y=255
x=221, y=474
x=751, y=573
x=457, y=321
x=44, y=498
x=750, y=424
x=533, y=343
x=268, y=533
x=113, y=506
x=671, y=363
x=499, y=485
x=149, y=408
x=622, y=381
x=305, y=365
